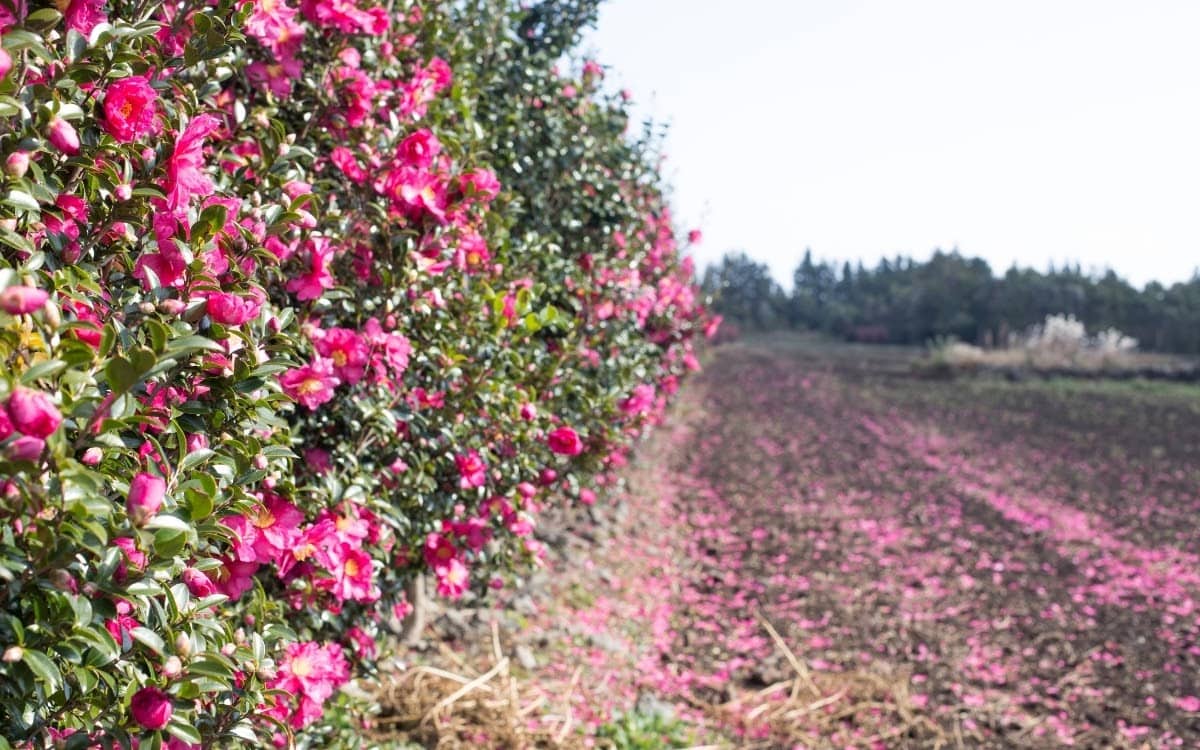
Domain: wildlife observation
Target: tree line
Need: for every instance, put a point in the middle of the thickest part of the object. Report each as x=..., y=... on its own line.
x=905, y=301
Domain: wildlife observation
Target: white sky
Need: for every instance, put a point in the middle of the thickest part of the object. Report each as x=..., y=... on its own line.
x=1034, y=131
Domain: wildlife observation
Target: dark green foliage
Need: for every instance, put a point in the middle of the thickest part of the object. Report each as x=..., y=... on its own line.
x=903, y=301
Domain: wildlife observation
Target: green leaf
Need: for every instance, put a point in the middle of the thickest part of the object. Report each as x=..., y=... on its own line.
x=167, y=521
x=83, y=611
x=43, y=668
x=210, y=667
x=183, y=731
x=144, y=587
x=195, y=458
x=169, y=542
x=188, y=344
x=149, y=639
x=22, y=200
x=120, y=374
x=200, y=506
x=41, y=370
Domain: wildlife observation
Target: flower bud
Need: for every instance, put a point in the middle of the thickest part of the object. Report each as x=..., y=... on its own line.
x=198, y=583
x=63, y=137
x=146, y=493
x=12, y=654
x=33, y=413
x=172, y=306
x=172, y=667
x=20, y=300
x=183, y=645
x=52, y=315
x=6, y=63
x=25, y=448
x=17, y=164
x=92, y=456
x=63, y=580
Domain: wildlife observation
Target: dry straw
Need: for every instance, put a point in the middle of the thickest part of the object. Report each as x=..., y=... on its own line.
x=437, y=708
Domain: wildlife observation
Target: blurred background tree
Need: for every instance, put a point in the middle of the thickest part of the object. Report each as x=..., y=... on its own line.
x=904, y=301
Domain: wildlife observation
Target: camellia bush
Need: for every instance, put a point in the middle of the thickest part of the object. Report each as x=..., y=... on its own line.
x=300, y=304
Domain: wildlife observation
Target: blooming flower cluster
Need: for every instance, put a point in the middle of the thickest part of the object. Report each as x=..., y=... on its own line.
x=290, y=321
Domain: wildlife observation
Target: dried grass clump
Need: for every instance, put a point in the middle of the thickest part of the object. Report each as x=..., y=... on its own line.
x=436, y=708
x=809, y=710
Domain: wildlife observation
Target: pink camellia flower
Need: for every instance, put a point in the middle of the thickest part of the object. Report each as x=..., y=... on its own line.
x=310, y=673
x=6, y=427
x=471, y=253
x=695, y=236
x=565, y=442
x=640, y=401
x=121, y=626
x=439, y=550
x=231, y=309
x=33, y=413
x=83, y=15
x=416, y=192
x=5, y=63
x=364, y=644
x=199, y=584
x=185, y=169
x=312, y=284
x=245, y=538
x=452, y=579
x=1189, y=703
x=151, y=708
x=234, y=578
x=528, y=412
x=345, y=16
x=346, y=350
x=62, y=136
x=130, y=108
x=354, y=574
x=419, y=149
x=343, y=159
x=472, y=471
x=132, y=554
x=12, y=13
x=19, y=300
x=312, y=384
x=712, y=326
x=146, y=493
x=278, y=527
x=480, y=183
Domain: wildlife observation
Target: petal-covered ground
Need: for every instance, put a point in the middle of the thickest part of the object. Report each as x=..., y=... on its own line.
x=971, y=563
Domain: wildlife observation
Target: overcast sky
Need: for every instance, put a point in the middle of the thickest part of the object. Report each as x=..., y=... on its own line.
x=1034, y=132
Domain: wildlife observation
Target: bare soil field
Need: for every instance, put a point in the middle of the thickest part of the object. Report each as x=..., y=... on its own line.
x=821, y=550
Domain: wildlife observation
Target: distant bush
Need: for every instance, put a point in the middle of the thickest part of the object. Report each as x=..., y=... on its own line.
x=285, y=324
x=1060, y=342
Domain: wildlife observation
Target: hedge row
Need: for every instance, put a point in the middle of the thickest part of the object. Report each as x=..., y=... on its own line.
x=297, y=303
